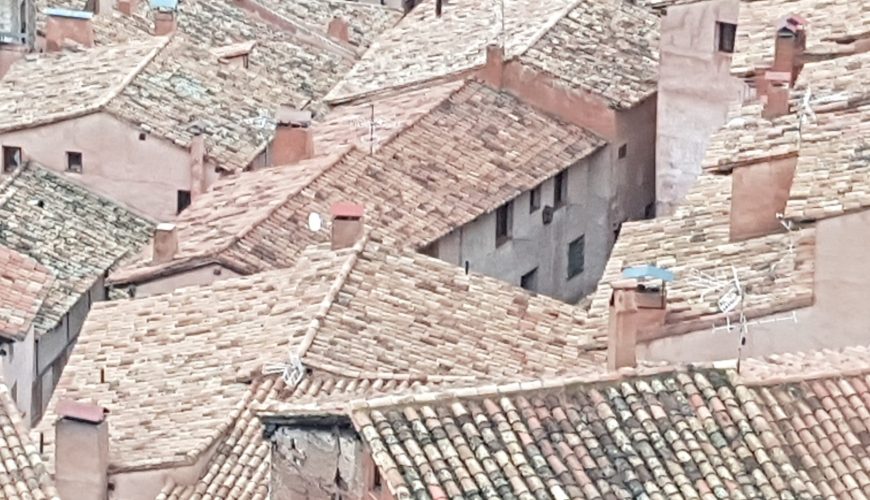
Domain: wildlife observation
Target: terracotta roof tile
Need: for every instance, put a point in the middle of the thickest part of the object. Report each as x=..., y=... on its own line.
x=361, y=313
x=608, y=49
x=24, y=283
x=23, y=475
x=473, y=136
x=75, y=234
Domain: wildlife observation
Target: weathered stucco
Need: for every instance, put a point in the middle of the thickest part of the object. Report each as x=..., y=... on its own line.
x=142, y=174
x=837, y=318
x=694, y=91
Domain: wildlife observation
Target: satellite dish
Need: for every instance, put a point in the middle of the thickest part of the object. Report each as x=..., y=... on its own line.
x=314, y=222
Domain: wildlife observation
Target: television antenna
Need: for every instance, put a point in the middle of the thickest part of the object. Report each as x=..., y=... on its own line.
x=292, y=372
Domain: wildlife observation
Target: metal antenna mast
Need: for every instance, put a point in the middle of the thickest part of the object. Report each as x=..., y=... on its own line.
x=372, y=131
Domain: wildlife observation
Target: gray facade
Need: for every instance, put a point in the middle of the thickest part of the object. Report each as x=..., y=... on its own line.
x=536, y=245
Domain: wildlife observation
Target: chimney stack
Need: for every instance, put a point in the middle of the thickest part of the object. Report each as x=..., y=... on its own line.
x=198, y=181
x=165, y=243
x=294, y=139
x=493, y=70
x=65, y=24
x=81, y=451
x=338, y=30
x=347, y=224
x=165, y=22
x=791, y=40
x=638, y=308
x=102, y=7
x=128, y=7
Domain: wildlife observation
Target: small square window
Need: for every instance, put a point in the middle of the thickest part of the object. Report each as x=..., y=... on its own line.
x=183, y=201
x=534, y=199
x=74, y=162
x=11, y=158
x=142, y=136
x=529, y=281
x=560, y=189
x=503, y=222
x=725, y=35
x=576, y=256
x=623, y=150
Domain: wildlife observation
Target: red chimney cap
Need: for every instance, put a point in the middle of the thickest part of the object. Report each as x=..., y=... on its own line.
x=347, y=209
x=85, y=412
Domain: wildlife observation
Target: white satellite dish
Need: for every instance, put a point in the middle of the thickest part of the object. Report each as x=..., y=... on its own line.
x=314, y=222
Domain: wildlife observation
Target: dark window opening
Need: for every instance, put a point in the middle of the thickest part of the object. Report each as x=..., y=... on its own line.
x=11, y=158
x=183, y=201
x=22, y=16
x=623, y=150
x=725, y=35
x=529, y=281
x=431, y=249
x=503, y=222
x=142, y=136
x=74, y=162
x=649, y=212
x=377, y=482
x=576, y=256
x=534, y=199
x=560, y=189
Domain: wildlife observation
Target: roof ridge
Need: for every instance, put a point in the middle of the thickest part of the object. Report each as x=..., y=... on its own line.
x=329, y=298
x=116, y=91
x=546, y=28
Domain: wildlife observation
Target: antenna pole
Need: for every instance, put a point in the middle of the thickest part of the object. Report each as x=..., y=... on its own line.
x=372, y=131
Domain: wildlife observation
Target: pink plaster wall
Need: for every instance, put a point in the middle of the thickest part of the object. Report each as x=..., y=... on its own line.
x=839, y=316
x=8, y=55
x=143, y=175
x=201, y=276
x=759, y=192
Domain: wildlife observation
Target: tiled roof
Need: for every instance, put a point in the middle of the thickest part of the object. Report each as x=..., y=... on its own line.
x=54, y=87
x=419, y=186
x=165, y=89
x=684, y=433
x=365, y=21
x=67, y=229
x=608, y=48
x=365, y=312
x=185, y=88
x=832, y=27
x=694, y=243
x=23, y=475
x=24, y=283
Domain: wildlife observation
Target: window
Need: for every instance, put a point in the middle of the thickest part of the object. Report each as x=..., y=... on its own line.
x=431, y=249
x=623, y=150
x=503, y=221
x=725, y=34
x=142, y=136
x=74, y=162
x=377, y=482
x=560, y=189
x=576, y=256
x=529, y=281
x=183, y=201
x=534, y=199
x=649, y=212
x=11, y=158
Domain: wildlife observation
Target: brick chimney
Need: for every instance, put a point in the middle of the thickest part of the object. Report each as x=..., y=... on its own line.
x=198, y=181
x=128, y=7
x=494, y=69
x=68, y=25
x=165, y=22
x=294, y=139
x=338, y=30
x=637, y=312
x=347, y=224
x=81, y=451
x=791, y=41
x=165, y=243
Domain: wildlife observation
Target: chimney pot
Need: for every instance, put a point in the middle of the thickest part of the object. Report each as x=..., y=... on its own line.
x=347, y=224
x=165, y=243
x=338, y=30
x=294, y=139
x=81, y=451
x=165, y=22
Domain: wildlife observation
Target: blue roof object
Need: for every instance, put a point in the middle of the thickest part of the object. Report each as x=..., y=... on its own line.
x=164, y=4
x=644, y=272
x=75, y=14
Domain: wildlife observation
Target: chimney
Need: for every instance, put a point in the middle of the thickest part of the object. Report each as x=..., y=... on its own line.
x=81, y=451
x=789, y=47
x=637, y=312
x=128, y=7
x=494, y=69
x=198, y=181
x=338, y=30
x=165, y=243
x=165, y=22
x=438, y=7
x=102, y=7
x=776, y=95
x=294, y=139
x=64, y=25
x=347, y=224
